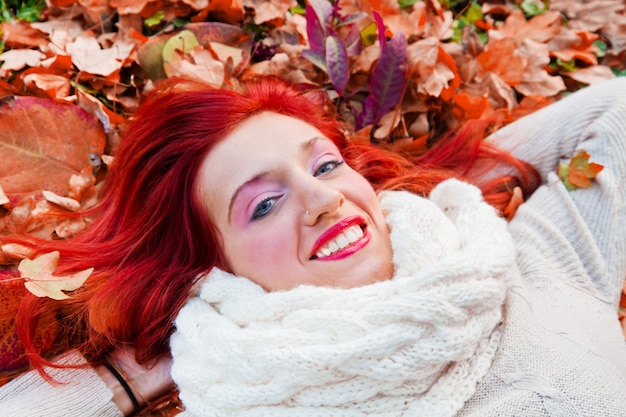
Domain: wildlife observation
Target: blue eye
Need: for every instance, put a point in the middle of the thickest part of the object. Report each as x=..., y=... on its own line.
x=264, y=207
x=327, y=167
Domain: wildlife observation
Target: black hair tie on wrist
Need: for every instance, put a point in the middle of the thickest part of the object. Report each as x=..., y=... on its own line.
x=124, y=385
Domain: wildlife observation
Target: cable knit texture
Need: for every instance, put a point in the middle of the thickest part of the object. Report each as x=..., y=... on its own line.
x=417, y=343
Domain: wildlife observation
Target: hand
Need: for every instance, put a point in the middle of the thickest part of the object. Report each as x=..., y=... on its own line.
x=146, y=383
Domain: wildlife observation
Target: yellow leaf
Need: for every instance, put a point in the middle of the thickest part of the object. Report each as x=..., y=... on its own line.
x=41, y=282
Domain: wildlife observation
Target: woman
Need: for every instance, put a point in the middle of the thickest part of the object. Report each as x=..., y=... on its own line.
x=348, y=307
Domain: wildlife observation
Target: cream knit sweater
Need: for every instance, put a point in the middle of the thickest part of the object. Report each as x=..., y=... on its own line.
x=562, y=352
x=414, y=344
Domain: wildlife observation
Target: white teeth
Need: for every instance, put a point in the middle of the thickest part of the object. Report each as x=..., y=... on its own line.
x=341, y=241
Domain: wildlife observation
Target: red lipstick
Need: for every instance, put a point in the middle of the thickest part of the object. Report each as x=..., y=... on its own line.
x=335, y=231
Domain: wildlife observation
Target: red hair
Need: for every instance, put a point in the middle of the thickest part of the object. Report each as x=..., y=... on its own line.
x=151, y=238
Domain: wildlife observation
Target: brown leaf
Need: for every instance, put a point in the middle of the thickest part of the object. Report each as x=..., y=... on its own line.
x=198, y=64
x=54, y=86
x=89, y=56
x=569, y=45
x=42, y=143
x=16, y=34
x=536, y=80
x=41, y=282
x=271, y=11
x=540, y=28
x=591, y=75
x=17, y=59
x=500, y=57
x=3, y=198
x=67, y=203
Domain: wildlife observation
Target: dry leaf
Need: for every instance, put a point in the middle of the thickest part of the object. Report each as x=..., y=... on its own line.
x=41, y=282
x=65, y=202
x=3, y=198
x=579, y=172
x=591, y=75
x=43, y=142
x=89, y=56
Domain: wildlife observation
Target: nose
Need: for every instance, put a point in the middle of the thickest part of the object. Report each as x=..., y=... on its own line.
x=320, y=200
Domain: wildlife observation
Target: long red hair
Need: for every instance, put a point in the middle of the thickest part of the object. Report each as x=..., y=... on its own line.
x=151, y=239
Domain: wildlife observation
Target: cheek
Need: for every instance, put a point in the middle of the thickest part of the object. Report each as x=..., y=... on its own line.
x=260, y=251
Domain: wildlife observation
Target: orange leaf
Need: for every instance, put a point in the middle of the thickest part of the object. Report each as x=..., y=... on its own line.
x=499, y=57
x=43, y=142
x=579, y=172
x=41, y=282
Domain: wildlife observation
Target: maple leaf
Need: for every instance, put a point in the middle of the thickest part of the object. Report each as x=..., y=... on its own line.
x=41, y=282
x=579, y=172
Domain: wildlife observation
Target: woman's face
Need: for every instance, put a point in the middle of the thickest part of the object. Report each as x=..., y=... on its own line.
x=290, y=211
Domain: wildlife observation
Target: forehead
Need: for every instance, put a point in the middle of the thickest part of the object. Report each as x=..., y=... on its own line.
x=259, y=144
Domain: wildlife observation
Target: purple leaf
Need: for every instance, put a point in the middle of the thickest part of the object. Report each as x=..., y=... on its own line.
x=323, y=9
x=386, y=83
x=315, y=30
x=381, y=30
x=353, y=42
x=316, y=58
x=337, y=62
x=351, y=18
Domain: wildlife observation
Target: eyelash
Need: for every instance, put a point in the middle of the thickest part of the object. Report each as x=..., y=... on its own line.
x=335, y=164
x=256, y=215
x=260, y=213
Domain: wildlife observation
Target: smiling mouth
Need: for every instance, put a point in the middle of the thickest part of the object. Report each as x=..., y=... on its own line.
x=342, y=241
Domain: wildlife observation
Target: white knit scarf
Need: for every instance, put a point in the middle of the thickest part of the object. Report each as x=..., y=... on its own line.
x=413, y=345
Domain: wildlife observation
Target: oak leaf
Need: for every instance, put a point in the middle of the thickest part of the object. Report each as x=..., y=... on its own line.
x=41, y=282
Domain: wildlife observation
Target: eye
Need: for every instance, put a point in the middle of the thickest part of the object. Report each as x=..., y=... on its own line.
x=327, y=167
x=264, y=207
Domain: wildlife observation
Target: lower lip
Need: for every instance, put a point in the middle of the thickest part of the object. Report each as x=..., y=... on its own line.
x=350, y=250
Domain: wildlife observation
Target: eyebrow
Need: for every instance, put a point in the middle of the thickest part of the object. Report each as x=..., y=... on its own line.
x=304, y=148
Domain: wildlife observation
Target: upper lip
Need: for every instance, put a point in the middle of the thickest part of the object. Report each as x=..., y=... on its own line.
x=334, y=231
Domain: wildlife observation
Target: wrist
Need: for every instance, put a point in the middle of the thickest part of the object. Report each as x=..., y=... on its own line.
x=120, y=396
x=134, y=385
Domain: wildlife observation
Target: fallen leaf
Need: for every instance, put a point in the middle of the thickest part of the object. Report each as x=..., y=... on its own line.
x=17, y=59
x=41, y=282
x=591, y=75
x=184, y=41
x=540, y=28
x=16, y=34
x=3, y=198
x=43, y=142
x=536, y=79
x=13, y=356
x=198, y=64
x=65, y=202
x=516, y=200
x=54, y=86
x=90, y=57
x=500, y=57
x=579, y=172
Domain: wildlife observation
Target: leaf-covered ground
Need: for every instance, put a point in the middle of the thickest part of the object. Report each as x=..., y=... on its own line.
x=400, y=72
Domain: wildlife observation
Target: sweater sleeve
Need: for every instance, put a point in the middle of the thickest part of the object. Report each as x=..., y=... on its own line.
x=591, y=220
x=80, y=392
